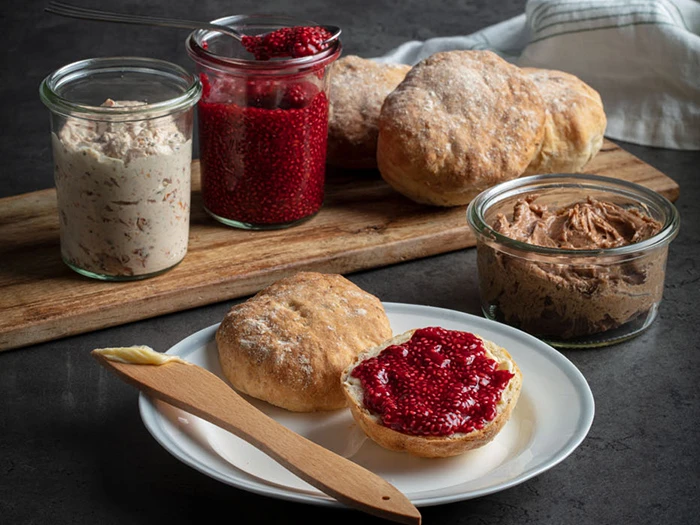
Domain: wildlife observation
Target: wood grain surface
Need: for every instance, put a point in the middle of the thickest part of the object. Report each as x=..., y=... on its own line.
x=363, y=224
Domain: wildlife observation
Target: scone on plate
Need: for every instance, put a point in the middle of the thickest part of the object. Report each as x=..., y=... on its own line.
x=433, y=392
x=289, y=344
x=574, y=126
x=460, y=122
x=358, y=89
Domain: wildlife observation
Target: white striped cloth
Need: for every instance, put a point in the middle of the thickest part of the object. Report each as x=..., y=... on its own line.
x=642, y=56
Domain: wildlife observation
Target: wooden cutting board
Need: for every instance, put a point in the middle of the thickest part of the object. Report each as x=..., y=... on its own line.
x=363, y=224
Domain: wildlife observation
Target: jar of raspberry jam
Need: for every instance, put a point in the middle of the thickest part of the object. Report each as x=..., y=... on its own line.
x=263, y=121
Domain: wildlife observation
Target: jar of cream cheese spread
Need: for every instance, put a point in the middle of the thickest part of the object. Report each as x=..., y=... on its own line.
x=121, y=134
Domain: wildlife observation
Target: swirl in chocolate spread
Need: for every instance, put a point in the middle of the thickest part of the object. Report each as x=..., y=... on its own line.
x=586, y=225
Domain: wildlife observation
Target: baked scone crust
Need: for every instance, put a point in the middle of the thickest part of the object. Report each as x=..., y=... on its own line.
x=432, y=446
x=289, y=344
x=460, y=122
x=358, y=87
x=574, y=126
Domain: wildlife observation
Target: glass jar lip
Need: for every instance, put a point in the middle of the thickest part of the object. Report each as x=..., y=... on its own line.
x=264, y=67
x=524, y=185
x=77, y=70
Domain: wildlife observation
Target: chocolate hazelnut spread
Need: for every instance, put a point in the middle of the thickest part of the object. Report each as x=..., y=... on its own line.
x=574, y=296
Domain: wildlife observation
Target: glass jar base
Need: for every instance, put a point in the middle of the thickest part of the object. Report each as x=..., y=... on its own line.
x=622, y=333
x=250, y=226
x=118, y=278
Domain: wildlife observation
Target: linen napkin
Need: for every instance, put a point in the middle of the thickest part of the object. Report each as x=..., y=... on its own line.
x=642, y=56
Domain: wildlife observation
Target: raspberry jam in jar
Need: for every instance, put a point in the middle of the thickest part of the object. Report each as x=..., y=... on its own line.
x=263, y=120
x=291, y=42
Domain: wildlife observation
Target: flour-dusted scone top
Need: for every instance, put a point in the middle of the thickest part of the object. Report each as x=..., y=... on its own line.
x=460, y=122
x=574, y=125
x=288, y=344
x=358, y=89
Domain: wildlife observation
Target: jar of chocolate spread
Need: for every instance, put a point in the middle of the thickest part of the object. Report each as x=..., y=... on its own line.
x=121, y=133
x=263, y=119
x=577, y=260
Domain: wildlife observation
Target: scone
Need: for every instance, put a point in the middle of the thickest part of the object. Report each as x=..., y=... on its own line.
x=433, y=392
x=574, y=125
x=460, y=122
x=357, y=91
x=289, y=344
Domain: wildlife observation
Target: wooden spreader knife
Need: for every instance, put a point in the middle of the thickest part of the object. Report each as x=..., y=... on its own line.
x=203, y=394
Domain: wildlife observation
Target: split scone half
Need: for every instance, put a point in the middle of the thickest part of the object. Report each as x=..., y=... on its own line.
x=432, y=394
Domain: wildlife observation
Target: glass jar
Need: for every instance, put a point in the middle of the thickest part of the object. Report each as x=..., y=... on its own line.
x=121, y=134
x=263, y=127
x=571, y=298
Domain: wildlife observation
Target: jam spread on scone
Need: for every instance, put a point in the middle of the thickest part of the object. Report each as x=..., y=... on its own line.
x=438, y=383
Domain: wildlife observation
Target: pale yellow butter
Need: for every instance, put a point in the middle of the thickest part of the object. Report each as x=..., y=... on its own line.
x=137, y=355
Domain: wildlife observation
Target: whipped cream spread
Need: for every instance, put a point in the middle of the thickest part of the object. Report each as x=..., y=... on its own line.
x=138, y=355
x=123, y=191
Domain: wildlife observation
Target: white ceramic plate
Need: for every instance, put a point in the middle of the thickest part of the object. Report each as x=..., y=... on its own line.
x=552, y=417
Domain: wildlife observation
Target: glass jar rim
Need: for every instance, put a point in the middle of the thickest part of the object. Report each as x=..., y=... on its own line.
x=262, y=67
x=77, y=70
x=521, y=186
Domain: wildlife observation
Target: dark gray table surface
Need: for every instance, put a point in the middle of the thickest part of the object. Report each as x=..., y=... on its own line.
x=73, y=448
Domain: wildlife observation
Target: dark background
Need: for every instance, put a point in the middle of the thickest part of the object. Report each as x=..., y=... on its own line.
x=72, y=445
